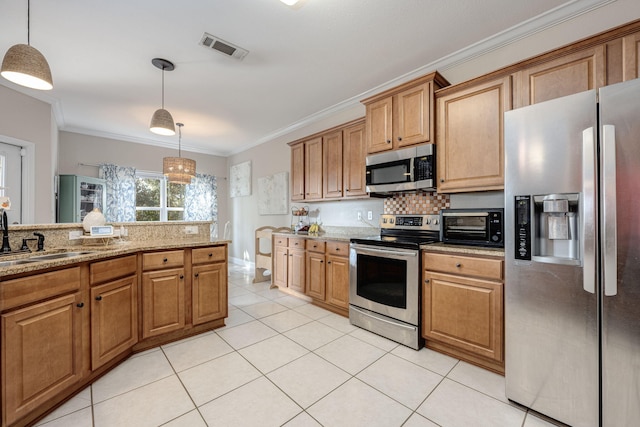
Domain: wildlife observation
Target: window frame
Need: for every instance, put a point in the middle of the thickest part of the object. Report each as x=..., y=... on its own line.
x=163, y=208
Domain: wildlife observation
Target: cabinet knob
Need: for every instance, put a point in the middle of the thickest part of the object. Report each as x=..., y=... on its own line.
x=164, y=260
x=337, y=249
x=346, y=189
x=197, y=274
x=458, y=265
x=426, y=280
x=321, y=261
x=388, y=141
x=441, y=179
x=399, y=138
x=210, y=255
x=181, y=276
x=328, y=262
x=99, y=298
x=80, y=305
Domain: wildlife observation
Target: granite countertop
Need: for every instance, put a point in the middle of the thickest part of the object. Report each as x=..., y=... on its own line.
x=97, y=252
x=460, y=249
x=340, y=237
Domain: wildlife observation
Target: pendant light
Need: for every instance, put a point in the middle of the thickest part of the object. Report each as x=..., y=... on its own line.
x=179, y=169
x=25, y=65
x=162, y=122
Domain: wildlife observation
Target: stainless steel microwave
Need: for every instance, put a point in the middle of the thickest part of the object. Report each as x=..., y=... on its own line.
x=476, y=227
x=412, y=168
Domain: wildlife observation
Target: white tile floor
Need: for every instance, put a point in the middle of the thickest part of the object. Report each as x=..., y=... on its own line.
x=281, y=361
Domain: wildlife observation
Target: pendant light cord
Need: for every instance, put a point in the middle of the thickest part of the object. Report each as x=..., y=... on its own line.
x=29, y=22
x=163, y=87
x=179, y=138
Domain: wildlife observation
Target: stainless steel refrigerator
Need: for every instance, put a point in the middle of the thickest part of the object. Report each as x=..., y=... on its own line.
x=572, y=252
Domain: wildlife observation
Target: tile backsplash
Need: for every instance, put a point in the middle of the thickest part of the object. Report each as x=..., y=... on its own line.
x=420, y=202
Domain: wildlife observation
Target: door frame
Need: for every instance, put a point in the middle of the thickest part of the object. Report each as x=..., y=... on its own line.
x=28, y=177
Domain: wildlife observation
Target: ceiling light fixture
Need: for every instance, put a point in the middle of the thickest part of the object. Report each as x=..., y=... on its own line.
x=179, y=169
x=162, y=122
x=25, y=65
x=289, y=2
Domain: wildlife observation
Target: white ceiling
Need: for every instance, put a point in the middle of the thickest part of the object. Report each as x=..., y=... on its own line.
x=301, y=61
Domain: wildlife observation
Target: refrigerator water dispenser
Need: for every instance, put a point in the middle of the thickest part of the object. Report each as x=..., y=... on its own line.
x=556, y=219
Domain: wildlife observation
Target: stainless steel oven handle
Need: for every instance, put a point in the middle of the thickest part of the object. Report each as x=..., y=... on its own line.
x=398, y=252
x=411, y=328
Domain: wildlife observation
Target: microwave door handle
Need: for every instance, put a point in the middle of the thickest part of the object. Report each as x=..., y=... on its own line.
x=609, y=217
x=588, y=217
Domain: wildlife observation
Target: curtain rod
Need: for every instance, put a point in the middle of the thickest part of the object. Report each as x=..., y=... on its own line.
x=93, y=165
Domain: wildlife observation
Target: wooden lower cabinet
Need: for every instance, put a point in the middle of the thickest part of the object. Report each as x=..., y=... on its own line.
x=296, y=266
x=209, y=284
x=463, y=308
x=41, y=354
x=337, y=280
x=316, y=275
x=114, y=319
x=163, y=307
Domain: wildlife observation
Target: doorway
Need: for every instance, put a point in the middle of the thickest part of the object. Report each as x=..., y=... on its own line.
x=11, y=179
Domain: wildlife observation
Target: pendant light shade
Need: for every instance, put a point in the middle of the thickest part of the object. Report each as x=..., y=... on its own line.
x=179, y=169
x=25, y=65
x=162, y=121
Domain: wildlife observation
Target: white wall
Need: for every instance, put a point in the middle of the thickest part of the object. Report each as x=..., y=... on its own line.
x=75, y=148
x=24, y=120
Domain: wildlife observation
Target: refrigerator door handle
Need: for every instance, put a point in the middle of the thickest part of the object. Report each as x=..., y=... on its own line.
x=589, y=207
x=609, y=218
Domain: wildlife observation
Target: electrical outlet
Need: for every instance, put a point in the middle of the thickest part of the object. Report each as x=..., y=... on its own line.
x=369, y=215
x=191, y=229
x=74, y=235
x=359, y=216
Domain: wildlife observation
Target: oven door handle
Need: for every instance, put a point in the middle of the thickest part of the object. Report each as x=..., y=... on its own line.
x=397, y=252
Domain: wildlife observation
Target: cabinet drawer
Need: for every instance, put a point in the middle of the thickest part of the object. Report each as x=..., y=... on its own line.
x=338, y=248
x=315, y=246
x=17, y=292
x=296, y=243
x=166, y=259
x=280, y=241
x=489, y=268
x=103, y=271
x=211, y=254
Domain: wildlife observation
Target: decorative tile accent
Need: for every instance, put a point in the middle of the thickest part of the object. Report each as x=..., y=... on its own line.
x=420, y=203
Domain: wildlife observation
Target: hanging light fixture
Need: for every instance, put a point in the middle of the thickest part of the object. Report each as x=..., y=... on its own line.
x=179, y=169
x=162, y=122
x=25, y=65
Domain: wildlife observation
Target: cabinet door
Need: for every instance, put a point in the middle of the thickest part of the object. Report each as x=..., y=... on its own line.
x=338, y=281
x=297, y=172
x=41, y=354
x=470, y=137
x=296, y=269
x=315, y=275
x=163, y=302
x=280, y=266
x=313, y=169
x=114, y=319
x=379, y=124
x=574, y=73
x=332, y=165
x=354, y=155
x=465, y=313
x=413, y=116
x=209, y=292
x=631, y=57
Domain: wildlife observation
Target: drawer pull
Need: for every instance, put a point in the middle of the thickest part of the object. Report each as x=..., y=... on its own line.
x=210, y=255
x=328, y=262
x=197, y=274
x=181, y=277
x=80, y=305
x=99, y=298
x=164, y=260
x=458, y=265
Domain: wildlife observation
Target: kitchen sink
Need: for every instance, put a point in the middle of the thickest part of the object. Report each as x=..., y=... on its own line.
x=15, y=262
x=58, y=256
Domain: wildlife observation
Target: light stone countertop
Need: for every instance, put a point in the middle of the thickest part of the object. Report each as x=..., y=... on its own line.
x=95, y=252
x=466, y=250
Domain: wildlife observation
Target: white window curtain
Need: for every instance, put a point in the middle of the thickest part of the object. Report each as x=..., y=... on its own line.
x=120, y=192
x=201, y=199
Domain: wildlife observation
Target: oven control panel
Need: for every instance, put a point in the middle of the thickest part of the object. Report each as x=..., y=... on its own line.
x=410, y=222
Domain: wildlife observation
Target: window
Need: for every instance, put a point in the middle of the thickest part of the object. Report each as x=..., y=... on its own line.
x=157, y=199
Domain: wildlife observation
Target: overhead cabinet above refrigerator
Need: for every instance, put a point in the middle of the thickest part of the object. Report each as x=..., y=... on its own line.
x=572, y=251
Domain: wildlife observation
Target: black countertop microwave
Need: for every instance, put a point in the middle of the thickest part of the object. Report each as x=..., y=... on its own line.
x=476, y=227
x=412, y=168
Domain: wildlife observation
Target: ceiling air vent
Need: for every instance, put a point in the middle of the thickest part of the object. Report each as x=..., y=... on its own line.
x=223, y=47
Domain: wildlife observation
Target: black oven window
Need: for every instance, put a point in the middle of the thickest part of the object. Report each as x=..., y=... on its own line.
x=382, y=280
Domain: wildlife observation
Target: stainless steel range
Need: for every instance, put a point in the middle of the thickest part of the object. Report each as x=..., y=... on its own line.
x=384, y=277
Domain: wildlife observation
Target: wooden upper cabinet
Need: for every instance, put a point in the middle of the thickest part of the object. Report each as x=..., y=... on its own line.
x=403, y=115
x=573, y=73
x=313, y=169
x=631, y=57
x=297, y=172
x=470, y=136
x=332, y=165
x=354, y=153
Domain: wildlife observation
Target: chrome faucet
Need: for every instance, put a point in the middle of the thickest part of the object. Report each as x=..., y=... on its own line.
x=6, y=248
